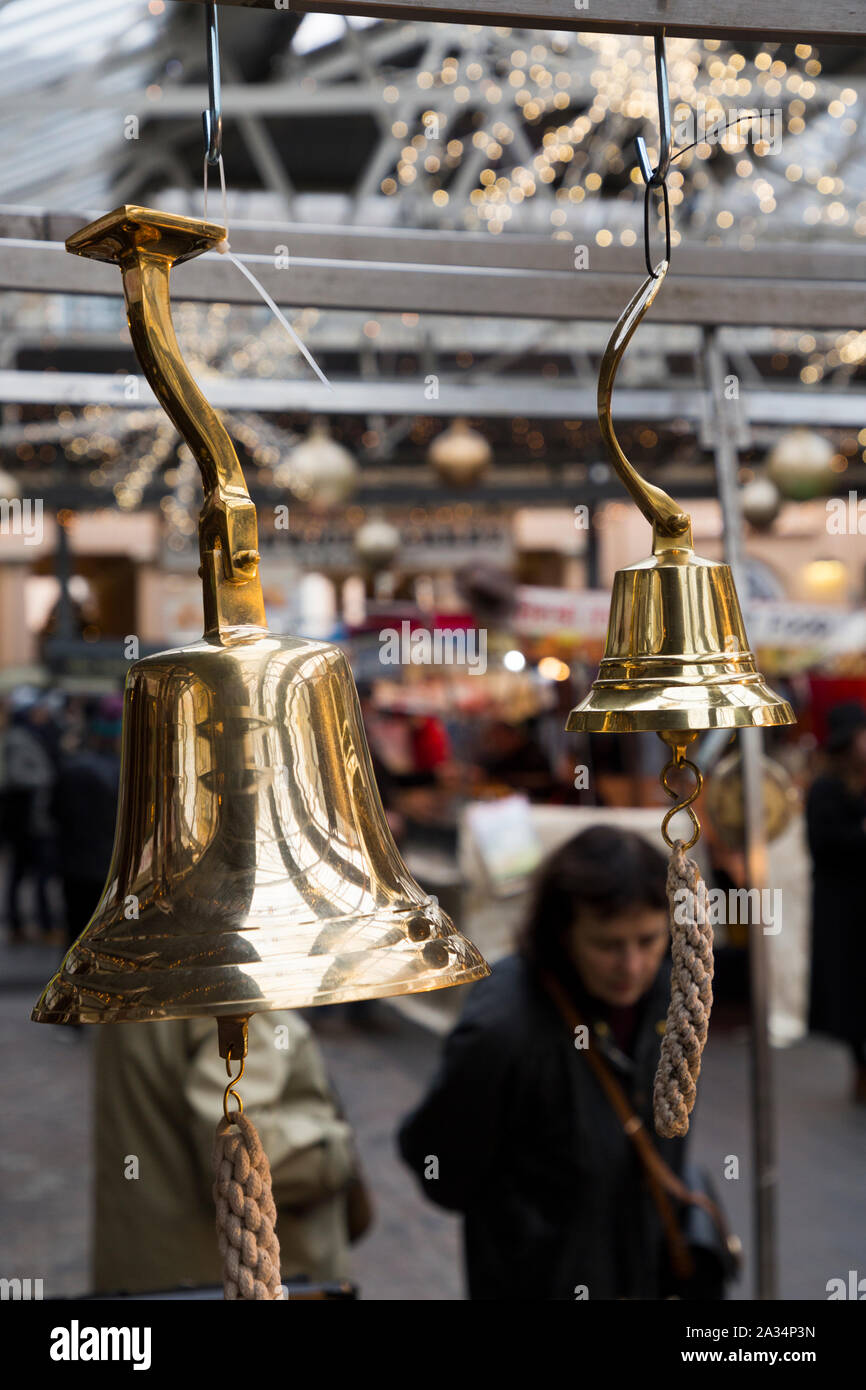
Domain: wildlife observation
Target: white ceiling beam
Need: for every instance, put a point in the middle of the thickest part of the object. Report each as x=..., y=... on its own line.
x=494, y=399
x=405, y=287
x=793, y=261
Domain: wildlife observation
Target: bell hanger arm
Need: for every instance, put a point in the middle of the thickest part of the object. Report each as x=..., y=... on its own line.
x=145, y=245
x=672, y=527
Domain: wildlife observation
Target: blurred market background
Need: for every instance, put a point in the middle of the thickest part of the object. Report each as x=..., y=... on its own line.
x=414, y=495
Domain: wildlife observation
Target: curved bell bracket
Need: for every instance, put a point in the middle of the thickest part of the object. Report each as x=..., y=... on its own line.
x=145, y=244
x=253, y=867
x=677, y=656
x=672, y=527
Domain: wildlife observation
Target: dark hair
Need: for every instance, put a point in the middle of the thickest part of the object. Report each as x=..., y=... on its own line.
x=844, y=723
x=604, y=869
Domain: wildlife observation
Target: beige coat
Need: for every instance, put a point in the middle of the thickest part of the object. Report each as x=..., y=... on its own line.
x=158, y=1095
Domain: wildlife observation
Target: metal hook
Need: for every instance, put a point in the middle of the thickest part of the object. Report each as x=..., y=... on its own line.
x=658, y=175
x=230, y=1088
x=647, y=249
x=678, y=741
x=671, y=525
x=212, y=119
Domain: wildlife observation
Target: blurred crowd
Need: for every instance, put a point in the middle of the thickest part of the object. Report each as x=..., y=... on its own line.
x=514, y=1133
x=59, y=773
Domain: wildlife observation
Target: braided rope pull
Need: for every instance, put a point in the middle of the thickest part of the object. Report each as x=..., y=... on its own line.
x=246, y=1216
x=691, y=999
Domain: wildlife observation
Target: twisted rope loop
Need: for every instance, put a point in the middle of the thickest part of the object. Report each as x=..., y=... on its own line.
x=245, y=1212
x=691, y=1000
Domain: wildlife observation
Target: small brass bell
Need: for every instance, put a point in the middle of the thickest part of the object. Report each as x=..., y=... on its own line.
x=253, y=867
x=676, y=657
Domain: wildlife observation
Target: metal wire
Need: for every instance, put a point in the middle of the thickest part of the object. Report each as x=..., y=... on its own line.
x=212, y=119
x=659, y=174
x=729, y=124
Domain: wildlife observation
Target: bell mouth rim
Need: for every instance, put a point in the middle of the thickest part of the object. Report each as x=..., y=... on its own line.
x=639, y=719
x=468, y=973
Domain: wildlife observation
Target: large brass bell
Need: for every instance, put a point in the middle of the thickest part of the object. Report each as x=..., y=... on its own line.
x=253, y=867
x=676, y=657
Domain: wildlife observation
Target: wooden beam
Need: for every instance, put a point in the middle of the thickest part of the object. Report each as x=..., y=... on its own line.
x=754, y=21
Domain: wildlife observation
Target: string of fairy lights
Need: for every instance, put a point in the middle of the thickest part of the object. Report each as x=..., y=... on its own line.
x=535, y=119
x=504, y=123
x=124, y=452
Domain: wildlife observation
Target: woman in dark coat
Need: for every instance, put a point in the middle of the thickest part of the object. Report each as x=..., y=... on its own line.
x=516, y=1132
x=836, y=824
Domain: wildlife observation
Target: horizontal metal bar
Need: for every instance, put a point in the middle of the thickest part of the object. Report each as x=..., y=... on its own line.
x=819, y=21
x=238, y=99
x=424, y=489
x=438, y=289
x=503, y=399
x=784, y=261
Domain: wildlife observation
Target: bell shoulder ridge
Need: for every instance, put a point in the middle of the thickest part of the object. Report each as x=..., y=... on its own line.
x=259, y=644
x=674, y=558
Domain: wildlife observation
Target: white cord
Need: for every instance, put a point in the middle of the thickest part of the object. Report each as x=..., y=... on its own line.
x=224, y=249
x=23, y=244
x=222, y=186
x=282, y=318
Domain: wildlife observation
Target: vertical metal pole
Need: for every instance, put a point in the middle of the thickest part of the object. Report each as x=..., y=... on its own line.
x=751, y=741
x=593, y=566
x=63, y=570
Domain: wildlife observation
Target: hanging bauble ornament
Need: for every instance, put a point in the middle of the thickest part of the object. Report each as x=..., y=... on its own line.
x=799, y=464
x=323, y=473
x=460, y=454
x=761, y=502
x=377, y=542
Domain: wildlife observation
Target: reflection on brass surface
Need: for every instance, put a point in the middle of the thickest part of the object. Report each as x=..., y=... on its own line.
x=253, y=867
x=677, y=656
